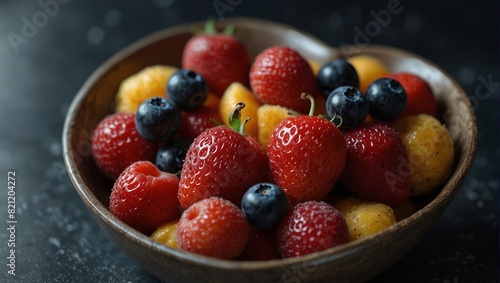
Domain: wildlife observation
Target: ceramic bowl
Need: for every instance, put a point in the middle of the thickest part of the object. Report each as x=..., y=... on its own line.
x=356, y=261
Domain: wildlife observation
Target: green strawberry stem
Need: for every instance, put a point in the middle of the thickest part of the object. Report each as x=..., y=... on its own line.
x=313, y=105
x=305, y=95
x=235, y=118
x=211, y=28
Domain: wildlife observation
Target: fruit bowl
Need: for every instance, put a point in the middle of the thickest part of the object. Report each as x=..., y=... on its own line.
x=356, y=261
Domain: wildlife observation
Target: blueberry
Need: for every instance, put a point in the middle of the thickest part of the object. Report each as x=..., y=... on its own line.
x=386, y=98
x=348, y=103
x=335, y=74
x=264, y=205
x=187, y=89
x=158, y=119
x=170, y=156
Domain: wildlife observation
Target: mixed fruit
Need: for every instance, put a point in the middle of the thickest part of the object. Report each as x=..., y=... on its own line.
x=269, y=157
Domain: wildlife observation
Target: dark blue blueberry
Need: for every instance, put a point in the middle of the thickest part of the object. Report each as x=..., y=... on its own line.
x=335, y=74
x=348, y=103
x=187, y=89
x=158, y=119
x=170, y=156
x=264, y=205
x=387, y=99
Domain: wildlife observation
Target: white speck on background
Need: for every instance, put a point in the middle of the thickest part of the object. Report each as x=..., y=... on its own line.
x=54, y=241
x=95, y=35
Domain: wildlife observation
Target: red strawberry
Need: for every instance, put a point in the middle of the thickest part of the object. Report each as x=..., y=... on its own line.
x=145, y=197
x=116, y=144
x=306, y=155
x=219, y=58
x=213, y=227
x=311, y=227
x=377, y=166
x=221, y=162
x=419, y=95
x=279, y=75
x=261, y=245
x=193, y=123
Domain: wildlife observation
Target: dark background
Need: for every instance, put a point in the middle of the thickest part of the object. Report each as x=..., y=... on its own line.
x=56, y=238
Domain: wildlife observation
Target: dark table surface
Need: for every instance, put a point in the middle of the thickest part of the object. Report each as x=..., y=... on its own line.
x=49, y=47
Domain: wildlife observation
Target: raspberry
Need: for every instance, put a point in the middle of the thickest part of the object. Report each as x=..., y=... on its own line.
x=213, y=227
x=144, y=197
x=116, y=144
x=261, y=245
x=311, y=227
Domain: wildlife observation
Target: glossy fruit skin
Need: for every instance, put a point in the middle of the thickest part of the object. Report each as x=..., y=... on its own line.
x=187, y=89
x=144, y=197
x=306, y=156
x=158, y=119
x=369, y=69
x=213, y=227
x=220, y=59
x=269, y=116
x=279, y=75
x=221, y=162
x=365, y=218
x=147, y=83
x=170, y=156
x=235, y=93
x=430, y=150
x=420, y=97
x=116, y=144
x=264, y=205
x=387, y=99
x=166, y=234
x=377, y=166
x=193, y=123
x=311, y=227
x=348, y=103
x=335, y=74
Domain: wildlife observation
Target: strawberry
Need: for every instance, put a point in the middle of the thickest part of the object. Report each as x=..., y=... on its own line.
x=377, y=166
x=279, y=75
x=222, y=162
x=145, y=197
x=193, y=123
x=311, y=227
x=419, y=94
x=116, y=144
x=219, y=58
x=213, y=227
x=306, y=156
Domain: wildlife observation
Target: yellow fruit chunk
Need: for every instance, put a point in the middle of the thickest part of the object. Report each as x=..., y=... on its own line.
x=149, y=82
x=235, y=93
x=364, y=218
x=430, y=151
x=369, y=69
x=166, y=234
x=269, y=117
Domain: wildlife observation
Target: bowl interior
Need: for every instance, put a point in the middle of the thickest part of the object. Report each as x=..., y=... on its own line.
x=95, y=100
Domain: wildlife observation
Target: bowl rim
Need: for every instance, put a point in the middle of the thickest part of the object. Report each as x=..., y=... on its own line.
x=99, y=210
